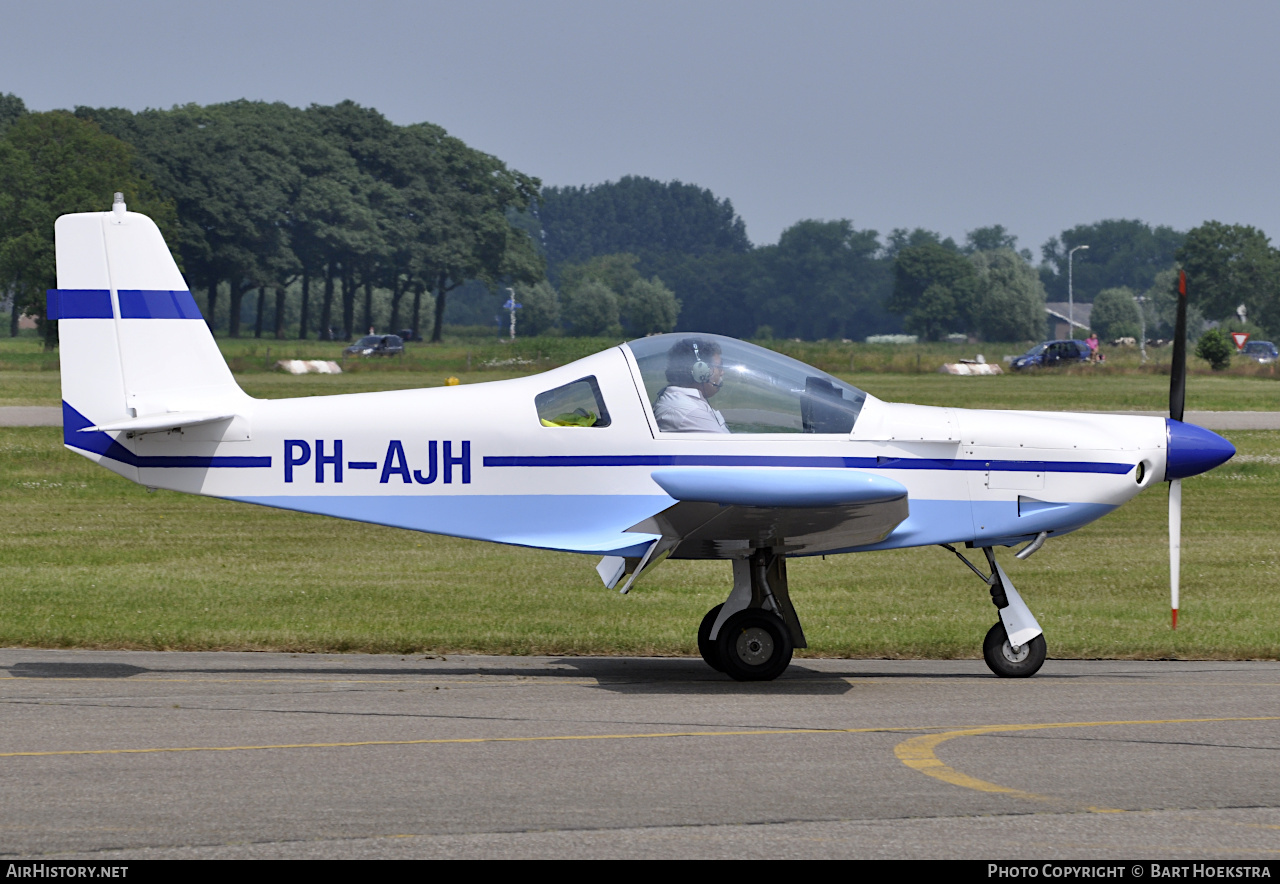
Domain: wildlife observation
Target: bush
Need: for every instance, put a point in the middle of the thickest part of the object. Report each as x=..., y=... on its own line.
x=590, y=308
x=1215, y=348
x=649, y=307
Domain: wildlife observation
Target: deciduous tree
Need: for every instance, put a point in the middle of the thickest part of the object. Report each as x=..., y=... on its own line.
x=52, y=164
x=648, y=307
x=540, y=311
x=1009, y=303
x=1121, y=253
x=639, y=216
x=1232, y=264
x=590, y=309
x=934, y=289
x=1115, y=314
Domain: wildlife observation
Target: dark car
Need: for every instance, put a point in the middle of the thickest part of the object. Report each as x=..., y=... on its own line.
x=376, y=345
x=1263, y=351
x=1052, y=353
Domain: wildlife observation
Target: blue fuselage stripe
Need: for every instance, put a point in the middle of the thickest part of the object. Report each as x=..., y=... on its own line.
x=859, y=463
x=100, y=443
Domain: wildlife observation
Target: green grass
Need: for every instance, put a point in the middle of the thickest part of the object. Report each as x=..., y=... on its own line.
x=90, y=560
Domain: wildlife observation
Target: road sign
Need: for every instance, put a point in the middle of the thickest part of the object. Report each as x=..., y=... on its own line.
x=1239, y=338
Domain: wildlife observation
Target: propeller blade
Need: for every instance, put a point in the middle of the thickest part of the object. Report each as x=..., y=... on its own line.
x=1175, y=544
x=1177, y=402
x=1178, y=372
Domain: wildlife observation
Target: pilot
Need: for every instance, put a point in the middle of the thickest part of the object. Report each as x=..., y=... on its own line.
x=694, y=375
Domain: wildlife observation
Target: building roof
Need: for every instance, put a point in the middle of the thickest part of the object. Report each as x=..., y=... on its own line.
x=1080, y=313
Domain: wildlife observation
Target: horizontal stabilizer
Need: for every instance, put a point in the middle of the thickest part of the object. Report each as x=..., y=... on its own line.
x=151, y=423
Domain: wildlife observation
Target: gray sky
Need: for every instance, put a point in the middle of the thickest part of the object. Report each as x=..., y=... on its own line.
x=946, y=115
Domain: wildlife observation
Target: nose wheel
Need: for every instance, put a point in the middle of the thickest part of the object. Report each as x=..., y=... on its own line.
x=1007, y=661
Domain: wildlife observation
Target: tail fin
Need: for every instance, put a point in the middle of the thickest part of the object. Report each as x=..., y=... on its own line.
x=133, y=344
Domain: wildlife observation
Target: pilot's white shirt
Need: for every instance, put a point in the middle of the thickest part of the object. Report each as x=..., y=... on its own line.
x=686, y=410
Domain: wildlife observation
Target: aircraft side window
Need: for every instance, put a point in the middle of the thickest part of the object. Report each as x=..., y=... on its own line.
x=576, y=404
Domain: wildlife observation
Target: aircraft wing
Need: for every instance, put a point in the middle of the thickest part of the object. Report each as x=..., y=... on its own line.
x=721, y=512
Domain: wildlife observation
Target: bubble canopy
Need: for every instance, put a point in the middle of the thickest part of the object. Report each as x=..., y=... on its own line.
x=756, y=390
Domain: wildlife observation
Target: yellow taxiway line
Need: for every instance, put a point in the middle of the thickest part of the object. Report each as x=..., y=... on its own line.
x=918, y=753
x=460, y=740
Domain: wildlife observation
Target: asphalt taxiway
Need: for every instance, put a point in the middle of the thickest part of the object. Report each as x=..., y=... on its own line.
x=109, y=755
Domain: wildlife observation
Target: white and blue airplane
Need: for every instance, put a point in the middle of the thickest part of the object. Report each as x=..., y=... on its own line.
x=687, y=446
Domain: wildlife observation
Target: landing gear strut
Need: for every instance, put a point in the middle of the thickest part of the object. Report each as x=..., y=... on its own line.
x=752, y=635
x=1014, y=647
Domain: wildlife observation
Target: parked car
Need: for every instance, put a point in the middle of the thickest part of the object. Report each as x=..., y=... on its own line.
x=1052, y=353
x=1263, y=351
x=376, y=345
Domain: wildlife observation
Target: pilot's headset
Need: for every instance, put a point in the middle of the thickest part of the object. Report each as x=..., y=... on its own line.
x=701, y=372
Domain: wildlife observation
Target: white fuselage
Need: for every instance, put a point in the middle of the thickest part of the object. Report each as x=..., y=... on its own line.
x=475, y=461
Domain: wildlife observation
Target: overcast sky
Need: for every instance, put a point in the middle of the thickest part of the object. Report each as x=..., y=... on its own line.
x=945, y=115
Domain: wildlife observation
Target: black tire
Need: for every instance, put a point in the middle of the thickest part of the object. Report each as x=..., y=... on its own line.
x=754, y=645
x=1004, y=662
x=709, y=650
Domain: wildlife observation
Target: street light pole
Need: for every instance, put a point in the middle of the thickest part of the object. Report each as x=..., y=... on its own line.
x=1142, y=317
x=1071, y=300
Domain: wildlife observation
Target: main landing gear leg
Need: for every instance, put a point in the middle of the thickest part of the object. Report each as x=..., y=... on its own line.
x=752, y=635
x=1014, y=647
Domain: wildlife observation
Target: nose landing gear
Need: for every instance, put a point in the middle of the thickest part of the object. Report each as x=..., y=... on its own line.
x=1014, y=647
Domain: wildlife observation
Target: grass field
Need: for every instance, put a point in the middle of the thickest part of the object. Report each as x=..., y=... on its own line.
x=88, y=559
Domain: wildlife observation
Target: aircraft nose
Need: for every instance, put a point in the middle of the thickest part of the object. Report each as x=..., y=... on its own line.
x=1194, y=450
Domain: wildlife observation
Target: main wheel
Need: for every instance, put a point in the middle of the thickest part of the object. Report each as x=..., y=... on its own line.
x=754, y=645
x=709, y=650
x=1005, y=662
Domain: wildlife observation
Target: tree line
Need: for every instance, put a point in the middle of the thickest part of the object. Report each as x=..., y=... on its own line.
x=829, y=279
x=331, y=219
x=333, y=201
